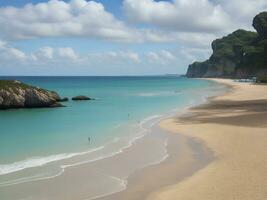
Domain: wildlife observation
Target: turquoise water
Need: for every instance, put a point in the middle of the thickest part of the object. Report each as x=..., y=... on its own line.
x=120, y=102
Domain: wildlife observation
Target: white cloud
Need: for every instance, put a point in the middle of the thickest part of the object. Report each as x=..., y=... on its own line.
x=2, y=44
x=162, y=57
x=190, y=24
x=179, y=15
x=68, y=53
x=55, y=18
x=115, y=57
x=167, y=55
x=48, y=56
x=10, y=54
x=194, y=15
x=243, y=11
x=44, y=52
x=75, y=18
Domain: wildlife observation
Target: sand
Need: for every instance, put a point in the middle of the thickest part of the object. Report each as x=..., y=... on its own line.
x=186, y=155
x=234, y=127
x=217, y=151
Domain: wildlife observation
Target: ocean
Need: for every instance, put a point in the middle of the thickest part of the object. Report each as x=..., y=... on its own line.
x=40, y=144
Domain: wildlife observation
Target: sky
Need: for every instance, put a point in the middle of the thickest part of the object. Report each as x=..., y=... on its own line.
x=115, y=37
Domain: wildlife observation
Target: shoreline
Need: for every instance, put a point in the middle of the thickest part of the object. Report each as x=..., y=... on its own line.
x=111, y=170
x=82, y=170
x=187, y=155
x=232, y=126
x=219, y=177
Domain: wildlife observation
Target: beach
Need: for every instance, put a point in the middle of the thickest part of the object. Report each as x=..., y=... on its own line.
x=213, y=150
x=234, y=127
x=133, y=100
x=230, y=130
x=127, y=143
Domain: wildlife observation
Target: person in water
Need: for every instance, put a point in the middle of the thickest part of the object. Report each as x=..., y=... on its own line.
x=89, y=139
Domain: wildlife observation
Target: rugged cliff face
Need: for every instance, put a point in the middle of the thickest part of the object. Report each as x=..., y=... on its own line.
x=14, y=94
x=241, y=54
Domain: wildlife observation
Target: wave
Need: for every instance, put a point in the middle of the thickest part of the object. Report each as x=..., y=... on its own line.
x=128, y=145
x=42, y=161
x=148, y=119
x=37, y=177
x=122, y=183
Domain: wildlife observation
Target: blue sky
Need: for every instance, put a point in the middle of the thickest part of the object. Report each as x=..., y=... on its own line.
x=114, y=37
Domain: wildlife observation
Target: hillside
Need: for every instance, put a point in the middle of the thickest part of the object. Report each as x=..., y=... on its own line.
x=241, y=54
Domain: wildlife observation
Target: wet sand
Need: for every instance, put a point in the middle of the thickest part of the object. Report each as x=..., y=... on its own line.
x=234, y=127
x=160, y=155
x=86, y=179
x=216, y=151
x=186, y=155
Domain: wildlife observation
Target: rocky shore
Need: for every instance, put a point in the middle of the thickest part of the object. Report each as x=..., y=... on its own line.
x=15, y=94
x=82, y=98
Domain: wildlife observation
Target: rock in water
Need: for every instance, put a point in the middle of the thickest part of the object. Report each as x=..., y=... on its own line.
x=14, y=94
x=81, y=98
x=64, y=99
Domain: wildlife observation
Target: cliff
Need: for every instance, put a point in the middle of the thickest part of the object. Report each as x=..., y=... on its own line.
x=241, y=54
x=14, y=94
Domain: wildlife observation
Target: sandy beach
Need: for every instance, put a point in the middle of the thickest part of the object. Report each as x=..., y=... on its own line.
x=216, y=150
x=133, y=100
x=234, y=127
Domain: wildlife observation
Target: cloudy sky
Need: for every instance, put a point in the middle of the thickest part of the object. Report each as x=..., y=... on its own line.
x=115, y=37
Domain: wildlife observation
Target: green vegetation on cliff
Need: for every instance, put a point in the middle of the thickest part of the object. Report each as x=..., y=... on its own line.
x=6, y=84
x=16, y=85
x=241, y=54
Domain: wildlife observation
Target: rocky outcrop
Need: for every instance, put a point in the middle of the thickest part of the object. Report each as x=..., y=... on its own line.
x=14, y=94
x=260, y=24
x=197, y=69
x=241, y=54
x=81, y=98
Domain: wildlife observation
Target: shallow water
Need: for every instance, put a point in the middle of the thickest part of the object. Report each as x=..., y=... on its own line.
x=40, y=145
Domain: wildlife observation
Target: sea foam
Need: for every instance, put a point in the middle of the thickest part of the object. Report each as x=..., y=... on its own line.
x=42, y=161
